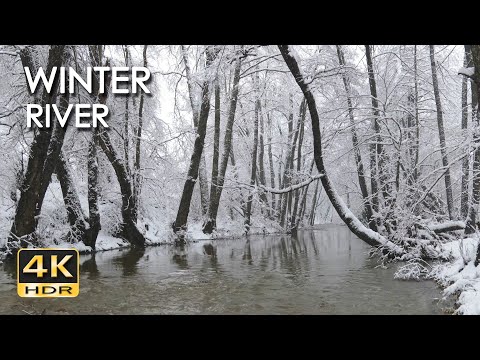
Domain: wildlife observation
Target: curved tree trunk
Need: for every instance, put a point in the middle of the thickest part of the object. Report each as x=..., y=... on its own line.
x=369, y=236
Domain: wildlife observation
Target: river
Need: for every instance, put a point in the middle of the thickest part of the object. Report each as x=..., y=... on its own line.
x=322, y=271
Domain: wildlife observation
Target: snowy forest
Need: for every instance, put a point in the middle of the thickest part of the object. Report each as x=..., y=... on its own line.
x=237, y=140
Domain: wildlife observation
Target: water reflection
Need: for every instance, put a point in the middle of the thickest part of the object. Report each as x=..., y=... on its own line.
x=315, y=272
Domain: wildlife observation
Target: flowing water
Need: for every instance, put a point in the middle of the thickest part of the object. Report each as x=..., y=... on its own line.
x=323, y=271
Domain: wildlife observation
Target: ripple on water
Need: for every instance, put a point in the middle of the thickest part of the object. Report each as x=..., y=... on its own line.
x=319, y=272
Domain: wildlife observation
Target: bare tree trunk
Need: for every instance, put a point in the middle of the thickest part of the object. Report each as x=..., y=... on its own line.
x=192, y=175
x=287, y=175
x=261, y=155
x=126, y=137
x=369, y=236
x=93, y=211
x=253, y=175
x=376, y=148
x=24, y=224
x=55, y=145
x=473, y=60
x=356, y=148
x=270, y=160
x=466, y=159
x=96, y=55
x=416, y=171
x=311, y=217
x=75, y=215
x=137, y=176
x=293, y=215
x=211, y=222
x=299, y=206
x=473, y=52
x=441, y=134
x=202, y=175
x=216, y=143
x=129, y=229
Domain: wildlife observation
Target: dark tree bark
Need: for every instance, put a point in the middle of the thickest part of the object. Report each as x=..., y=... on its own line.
x=202, y=175
x=56, y=143
x=192, y=175
x=441, y=134
x=287, y=175
x=137, y=175
x=369, y=236
x=216, y=143
x=270, y=160
x=293, y=216
x=92, y=194
x=24, y=224
x=261, y=155
x=376, y=148
x=211, y=222
x=311, y=217
x=356, y=147
x=126, y=137
x=253, y=174
x=75, y=215
x=96, y=55
x=129, y=229
x=473, y=59
x=416, y=171
x=466, y=159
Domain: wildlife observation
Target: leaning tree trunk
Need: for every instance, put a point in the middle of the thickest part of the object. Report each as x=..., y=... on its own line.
x=202, y=172
x=441, y=134
x=356, y=146
x=129, y=229
x=192, y=175
x=369, y=236
x=211, y=222
x=56, y=143
x=23, y=227
x=75, y=215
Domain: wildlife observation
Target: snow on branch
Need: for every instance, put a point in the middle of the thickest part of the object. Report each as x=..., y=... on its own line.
x=292, y=187
x=287, y=189
x=468, y=72
x=446, y=226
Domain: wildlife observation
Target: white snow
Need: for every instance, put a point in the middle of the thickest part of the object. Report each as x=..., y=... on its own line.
x=460, y=276
x=470, y=71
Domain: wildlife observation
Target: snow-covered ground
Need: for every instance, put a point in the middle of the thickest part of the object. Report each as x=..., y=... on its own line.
x=459, y=276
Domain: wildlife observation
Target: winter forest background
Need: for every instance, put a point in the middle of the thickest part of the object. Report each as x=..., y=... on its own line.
x=398, y=160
